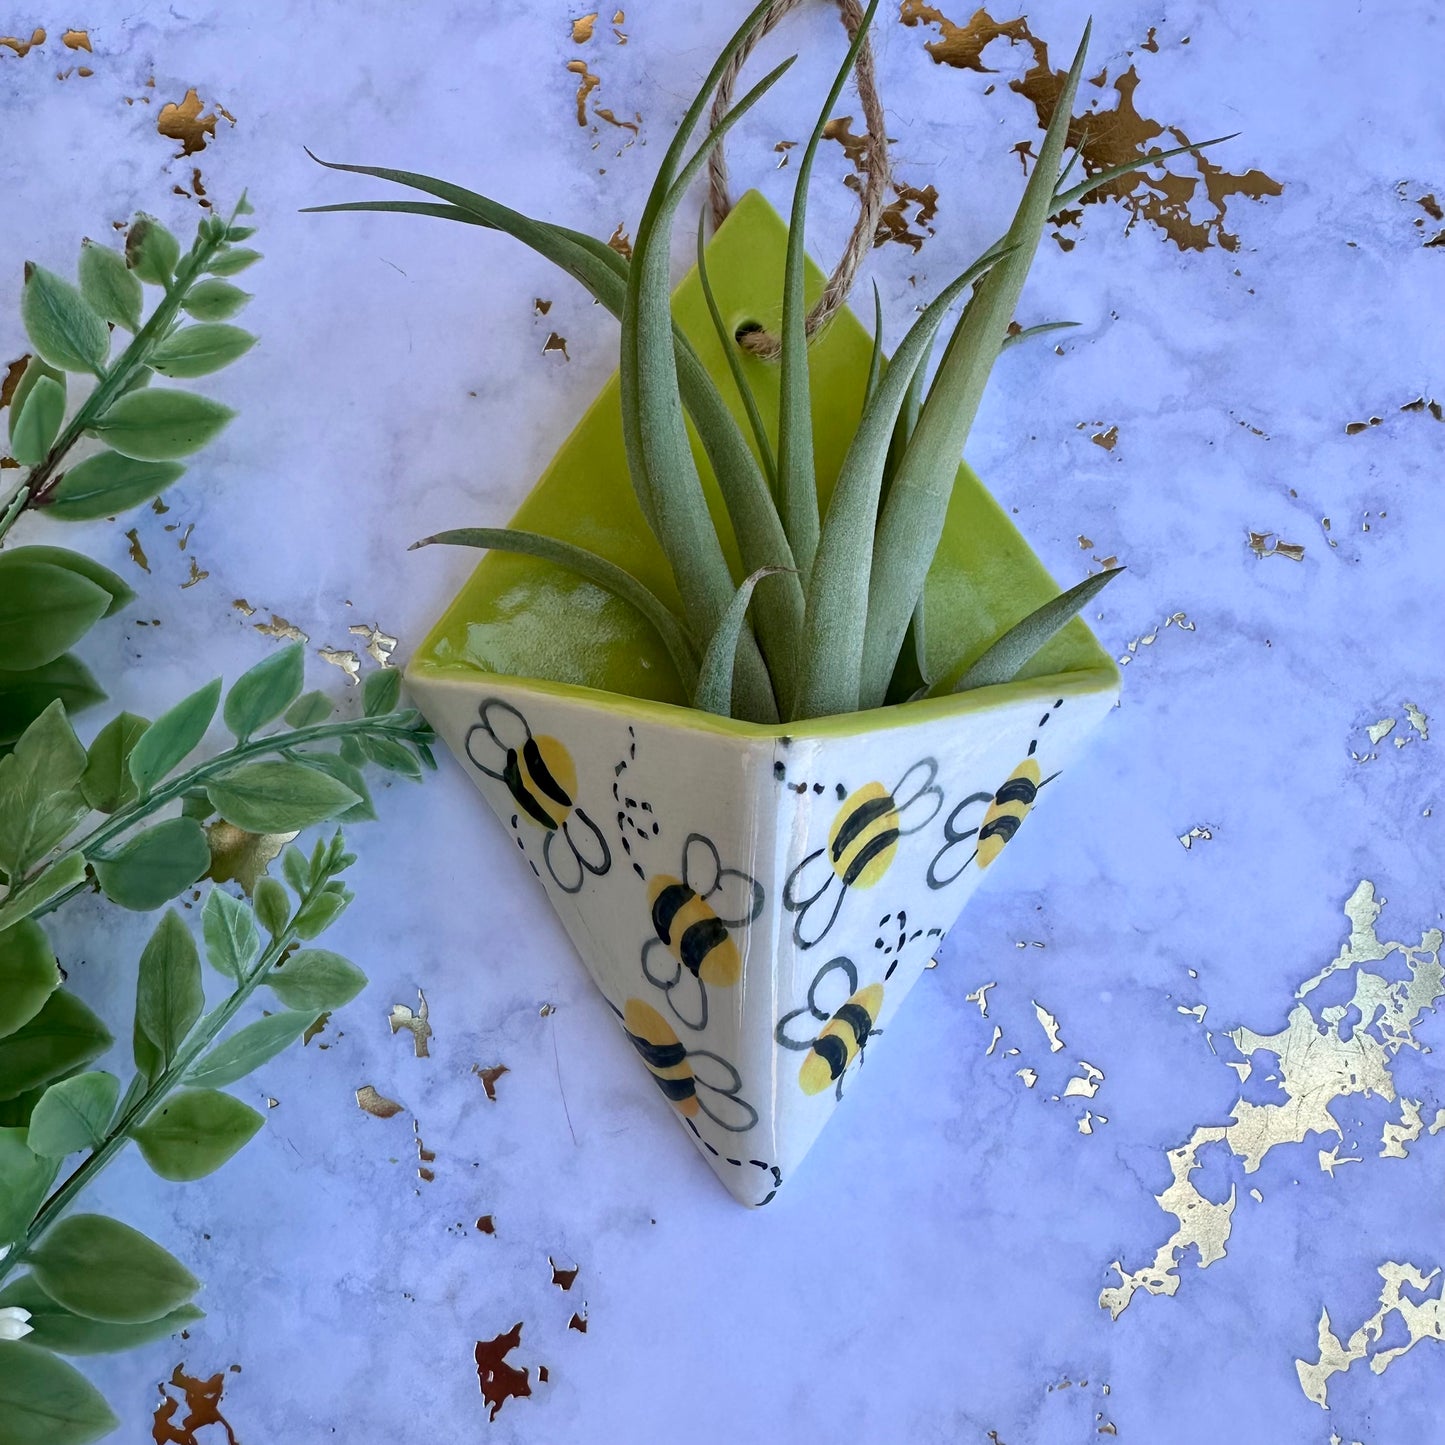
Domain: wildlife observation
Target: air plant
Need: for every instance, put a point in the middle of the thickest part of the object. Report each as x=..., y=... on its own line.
x=826, y=618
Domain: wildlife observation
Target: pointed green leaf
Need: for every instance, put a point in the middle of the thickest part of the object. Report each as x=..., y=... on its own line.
x=232, y=941
x=151, y=251
x=61, y=322
x=25, y=694
x=73, y=1114
x=248, y=1049
x=278, y=796
x=322, y=910
x=115, y=586
x=36, y=423
x=230, y=261
x=200, y=350
x=44, y=1401
x=214, y=300
x=173, y=735
x=40, y=797
x=151, y=868
x=106, y=782
x=158, y=425
x=112, y=289
x=53, y=1327
x=61, y=876
x=196, y=1131
x=315, y=979
x=44, y=609
x=380, y=691
x=308, y=709
x=169, y=996
x=273, y=906
x=35, y=369
x=363, y=810
x=25, y=1180
x=28, y=975
x=265, y=691
x=108, y=483
x=62, y=1037
x=105, y=1270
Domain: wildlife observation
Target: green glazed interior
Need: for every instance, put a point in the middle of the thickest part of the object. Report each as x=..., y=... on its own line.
x=526, y=619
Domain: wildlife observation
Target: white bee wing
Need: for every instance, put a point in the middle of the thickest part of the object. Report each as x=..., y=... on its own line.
x=832, y=986
x=587, y=842
x=506, y=725
x=700, y=864
x=718, y=1083
x=688, y=1000
x=486, y=753
x=917, y=796
x=816, y=915
x=562, y=861
x=660, y=966
x=798, y=1029
x=736, y=898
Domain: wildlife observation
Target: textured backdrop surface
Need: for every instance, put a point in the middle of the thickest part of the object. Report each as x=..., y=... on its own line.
x=1245, y=417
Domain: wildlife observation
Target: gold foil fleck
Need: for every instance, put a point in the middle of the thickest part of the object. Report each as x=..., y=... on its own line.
x=1394, y=1137
x=1196, y=1012
x=198, y=574
x=578, y=1322
x=547, y=1010
x=894, y=223
x=554, y=342
x=1266, y=544
x=137, y=552
x=855, y=147
x=416, y=1024
x=1029, y=1076
x=21, y=47
x=1086, y=1124
x=1380, y=730
x=1315, y=1066
x=564, y=1279
x=183, y=540
x=1199, y=833
x=315, y=1028
x=377, y=1105
x=1149, y=42
x=379, y=645
x=272, y=1103
x=425, y=1157
x=13, y=373
x=1438, y=1123
x=962, y=46
x=994, y=1041
x=583, y=27
x=540, y=306
x=185, y=123
x=1417, y=720
x=160, y=509
x=619, y=17
x=980, y=996
x=243, y=607
x=1420, y=1321
x=347, y=661
x=202, y=1402
x=585, y=86
x=1107, y=439
x=602, y=112
x=489, y=1078
x=242, y=857
x=1086, y=544
x=620, y=242
x=500, y=1381
x=486, y=1225
x=80, y=40
x=1086, y=1084
x=279, y=628
x=1050, y=1025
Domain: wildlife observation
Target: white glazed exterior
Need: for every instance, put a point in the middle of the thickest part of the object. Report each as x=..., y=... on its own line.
x=650, y=778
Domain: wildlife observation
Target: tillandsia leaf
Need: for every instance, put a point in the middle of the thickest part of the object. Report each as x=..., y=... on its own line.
x=912, y=520
x=1112, y=173
x=731, y=351
x=834, y=630
x=1004, y=658
x=875, y=359
x=797, y=477
x=714, y=691
x=603, y=272
x=1029, y=332
x=597, y=570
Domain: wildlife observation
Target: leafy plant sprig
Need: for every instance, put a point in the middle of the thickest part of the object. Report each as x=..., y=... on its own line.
x=832, y=628
x=92, y=1284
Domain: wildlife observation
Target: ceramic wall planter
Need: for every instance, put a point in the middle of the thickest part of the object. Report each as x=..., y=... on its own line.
x=754, y=903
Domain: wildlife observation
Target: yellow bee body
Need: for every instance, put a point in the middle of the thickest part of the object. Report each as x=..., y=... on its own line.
x=542, y=779
x=864, y=836
x=693, y=933
x=840, y=1039
x=1010, y=806
x=663, y=1053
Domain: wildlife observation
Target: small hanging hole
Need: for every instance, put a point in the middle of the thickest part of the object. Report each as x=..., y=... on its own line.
x=746, y=329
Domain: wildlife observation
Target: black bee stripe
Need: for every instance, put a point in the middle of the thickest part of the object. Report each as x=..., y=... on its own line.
x=512, y=777
x=541, y=774
x=1004, y=828
x=858, y=1019
x=886, y=839
x=861, y=816
x=1017, y=790
x=659, y=1056
x=669, y=902
x=677, y=1089
x=699, y=939
x=833, y=1051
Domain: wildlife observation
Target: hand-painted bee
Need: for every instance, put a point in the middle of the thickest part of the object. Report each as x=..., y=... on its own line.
x=844, y=1034
x=687, y=1077
x=861, y=847
x=1004, y=813
x=542, y=778
x=693, y=949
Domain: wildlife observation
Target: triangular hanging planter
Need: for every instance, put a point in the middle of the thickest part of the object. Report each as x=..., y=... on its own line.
x=753, y=902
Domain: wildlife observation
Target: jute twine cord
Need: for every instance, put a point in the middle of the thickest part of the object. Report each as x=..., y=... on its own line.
x=873, y=191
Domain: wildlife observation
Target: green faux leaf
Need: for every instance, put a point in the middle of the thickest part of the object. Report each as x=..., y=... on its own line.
x=173, y=735
x=200, y=350
x=1002, y=661
x=24, y=695
x=273, y=906
x=380, y=691
x=109, y=285
x=232, y=941
x=169, y=996
x=65, y=1035
x=149, y=869
x=106, y=782
x=160, y=424
x=350, y=776
x=116, y=587
x=40, y=797
x=248, y=1049
x=35, y=368
x=395, y=757
x=214, y=300
x=151, y=251
x=278, y=796
x=108, y=483
x=105, y=1270
x=195, y=1132
x=54, y=879
x=25, y=1180
x=229, y=262
x=315, y=979
x=28, y=974
x=296, y=870
x=73, y=1114
x=44, y=1401
x=62, y=323
x=53, y=1327
x=308, y=709
x=321, y=910
x=265, y=691
x=44, y=609
x=36, y=423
